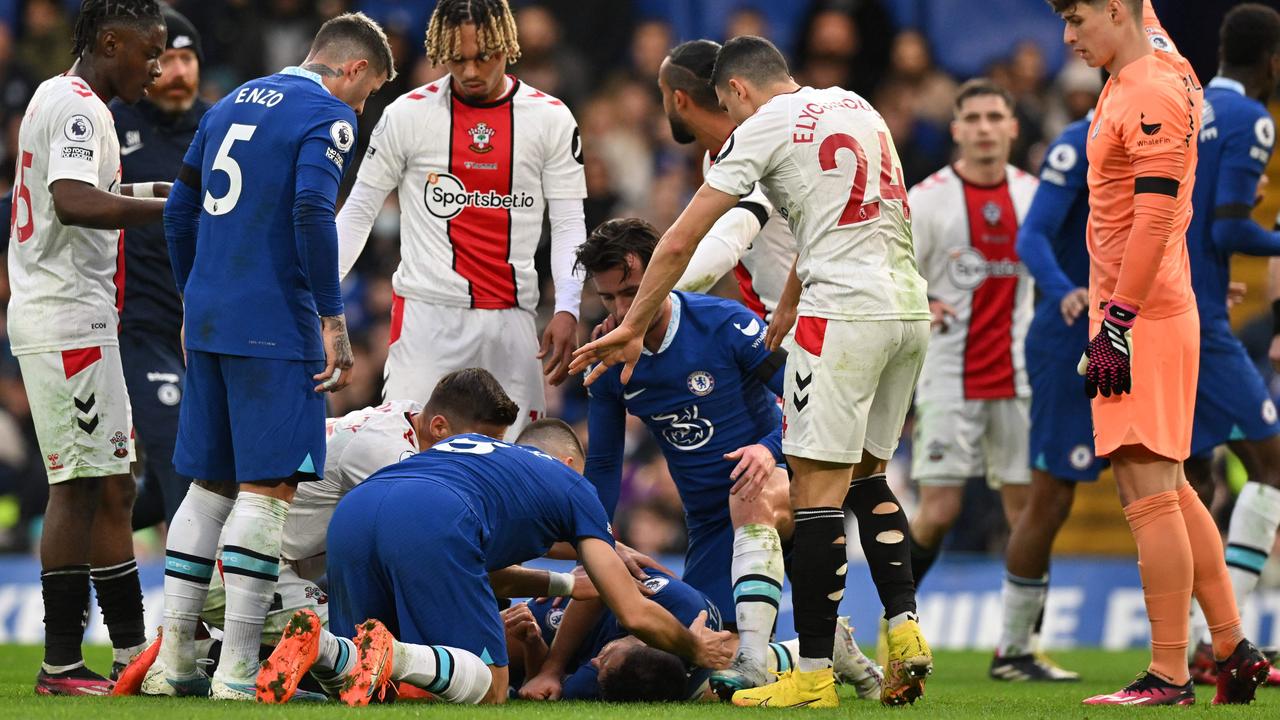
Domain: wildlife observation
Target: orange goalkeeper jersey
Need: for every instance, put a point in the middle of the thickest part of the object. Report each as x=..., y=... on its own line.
x=1143, y=138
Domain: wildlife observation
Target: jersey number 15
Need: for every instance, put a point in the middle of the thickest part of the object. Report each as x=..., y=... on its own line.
x=227, y=164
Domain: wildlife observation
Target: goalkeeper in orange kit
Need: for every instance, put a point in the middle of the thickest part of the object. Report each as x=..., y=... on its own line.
x=1142, y=362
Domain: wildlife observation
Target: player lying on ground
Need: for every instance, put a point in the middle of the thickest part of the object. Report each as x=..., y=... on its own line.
x=475, y=502
x=1233, y=404
x=1141, y=365
x=593, y=658
x=68, y=208
x=858, y=347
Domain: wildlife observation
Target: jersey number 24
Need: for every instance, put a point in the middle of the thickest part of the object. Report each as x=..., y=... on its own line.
x=856, y=211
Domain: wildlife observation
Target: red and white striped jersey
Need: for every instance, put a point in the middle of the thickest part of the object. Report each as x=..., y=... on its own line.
x=473, y=182
x=753, y=242
x=357, y=445
x=67, y=281
x=965, y=237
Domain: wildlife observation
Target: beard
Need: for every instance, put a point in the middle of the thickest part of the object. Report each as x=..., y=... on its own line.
x=680, y=132
x=167, y=99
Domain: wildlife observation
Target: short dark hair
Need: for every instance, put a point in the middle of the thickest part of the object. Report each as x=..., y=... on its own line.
x=355, y=35
x=979, y=86
x=1061, y=6
x=752, y=58
x=472, y=397
x=97, y=14
x=689, y=69
x=1250, y=35
x=552, y=435
x=645, y=674
x=612, y=241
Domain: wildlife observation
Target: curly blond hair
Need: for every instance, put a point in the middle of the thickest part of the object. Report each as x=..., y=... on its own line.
x=495, y=29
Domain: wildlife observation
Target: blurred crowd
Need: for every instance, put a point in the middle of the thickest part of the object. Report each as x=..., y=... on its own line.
x=602, y=60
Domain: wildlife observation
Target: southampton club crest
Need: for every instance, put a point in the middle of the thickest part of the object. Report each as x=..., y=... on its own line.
x=481, y=137
x=991, y=213
x=122, y=444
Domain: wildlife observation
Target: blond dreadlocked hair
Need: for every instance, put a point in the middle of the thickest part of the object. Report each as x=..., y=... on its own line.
x=495, y=29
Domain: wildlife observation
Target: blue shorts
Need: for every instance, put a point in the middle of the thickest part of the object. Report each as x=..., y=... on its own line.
x=410, y=555
x=708, y=563
x=250, y=419
x=1061, y=441
x=1232, y=402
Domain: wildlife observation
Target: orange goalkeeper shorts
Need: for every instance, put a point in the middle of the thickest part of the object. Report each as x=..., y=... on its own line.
x=1158, y=412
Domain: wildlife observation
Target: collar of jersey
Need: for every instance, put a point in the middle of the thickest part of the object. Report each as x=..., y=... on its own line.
x=672, y=326
x=1227, y=84
x=300, y=72
x=504, y=98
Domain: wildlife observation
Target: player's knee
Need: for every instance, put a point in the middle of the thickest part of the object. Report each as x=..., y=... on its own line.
x=118, y=494
x=78, y=496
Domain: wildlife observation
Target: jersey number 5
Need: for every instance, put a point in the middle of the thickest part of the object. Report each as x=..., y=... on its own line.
x=856, y=211
x=227, y=164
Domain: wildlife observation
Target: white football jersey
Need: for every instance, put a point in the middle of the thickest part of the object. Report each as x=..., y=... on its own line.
x=965, y=237
x=473, y=182
x=357, y=445
x=751, y=240
x=828, y=165
x=67, y=281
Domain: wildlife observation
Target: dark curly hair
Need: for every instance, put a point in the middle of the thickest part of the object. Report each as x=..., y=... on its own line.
x=612, y=241
x=96, y=14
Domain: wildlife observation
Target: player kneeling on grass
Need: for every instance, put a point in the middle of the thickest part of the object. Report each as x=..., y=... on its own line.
x=411, y=547
x=592, y=657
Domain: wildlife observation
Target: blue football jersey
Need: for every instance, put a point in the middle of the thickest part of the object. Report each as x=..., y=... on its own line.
x=248, y=291
x=701, y=394
x=526, y=500
x=1236, y=138
x=1051, y=240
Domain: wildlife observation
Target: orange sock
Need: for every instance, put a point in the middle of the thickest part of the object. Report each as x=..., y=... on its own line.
x=1212, y=584
x=1165, y=564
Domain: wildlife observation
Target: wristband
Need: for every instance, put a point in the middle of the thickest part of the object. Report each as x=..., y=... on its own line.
x=144, y=190
x=559, y=584
x=1275, y=317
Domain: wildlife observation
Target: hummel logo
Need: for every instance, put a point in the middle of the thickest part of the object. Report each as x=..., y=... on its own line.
x=803, y=382
x=1151, y=129
x=89, y=426
x=799, y=402
x=86, y=405
x=751, y=330
x=630, y=395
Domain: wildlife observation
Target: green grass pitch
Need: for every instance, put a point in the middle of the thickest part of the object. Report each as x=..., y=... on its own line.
x=959, y=688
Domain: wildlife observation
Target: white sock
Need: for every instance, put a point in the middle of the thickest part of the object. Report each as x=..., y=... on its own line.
x=250, y=568
x=122, y=656
x=782, y=656
x=1251, y=536
x=188, y=565
x=1023, y=600
x=449, y=673
x=336, y=658
x=902, y=617
x=757, y=587
x=1199, y=629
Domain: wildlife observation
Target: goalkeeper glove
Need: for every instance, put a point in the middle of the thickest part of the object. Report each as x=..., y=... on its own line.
x=1106, y=363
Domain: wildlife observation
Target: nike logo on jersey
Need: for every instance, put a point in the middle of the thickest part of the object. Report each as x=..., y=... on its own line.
x=630, y=395
x=130, y=149
x=751, y=329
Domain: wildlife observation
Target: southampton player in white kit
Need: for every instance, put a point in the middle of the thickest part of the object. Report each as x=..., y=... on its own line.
x=475, y=158
x=66, y=273
x=751, y=240
x=973, y=401
x=826, y=161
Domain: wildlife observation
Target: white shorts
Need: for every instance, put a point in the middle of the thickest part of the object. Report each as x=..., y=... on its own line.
x=958, y=439
x=81, y=410
x=849, y=386
x=430, y=341
x=291, y=595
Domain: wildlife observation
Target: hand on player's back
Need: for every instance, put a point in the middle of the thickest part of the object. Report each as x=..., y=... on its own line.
x=637, y=561
x=559, y=341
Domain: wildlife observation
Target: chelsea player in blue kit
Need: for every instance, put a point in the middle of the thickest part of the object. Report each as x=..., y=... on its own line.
x=1233, y=405
x=252, y=241
x=1051, y=242
x=706, y=388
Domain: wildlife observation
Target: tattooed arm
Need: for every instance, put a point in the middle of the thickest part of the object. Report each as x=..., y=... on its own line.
x=337, y=354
